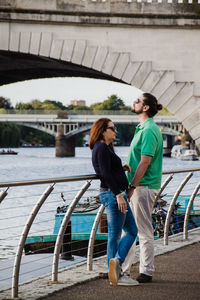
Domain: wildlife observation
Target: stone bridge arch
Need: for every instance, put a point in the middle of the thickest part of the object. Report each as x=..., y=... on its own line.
x=182, y=98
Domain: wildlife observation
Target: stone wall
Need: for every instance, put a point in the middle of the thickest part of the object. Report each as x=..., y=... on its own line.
x=163, y=7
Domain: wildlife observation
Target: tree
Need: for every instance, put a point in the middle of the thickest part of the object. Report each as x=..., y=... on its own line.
x=36, y=104
x=9, y=135
x=57, y=104
x=81, y=107
x=113, y=102
x=125, y=133
x=5, y=103
x=96, y=106
x=48, y=106
x=31, y=135
x=23, y=106
x=70, y=107
x=3, y=111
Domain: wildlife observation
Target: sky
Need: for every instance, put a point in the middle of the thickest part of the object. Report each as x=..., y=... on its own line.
x=67, y=89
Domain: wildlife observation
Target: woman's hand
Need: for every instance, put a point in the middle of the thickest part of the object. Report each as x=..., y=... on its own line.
x=121, y=203
x=126, y=168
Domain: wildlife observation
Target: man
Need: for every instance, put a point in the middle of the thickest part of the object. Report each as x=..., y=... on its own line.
x=145, y=159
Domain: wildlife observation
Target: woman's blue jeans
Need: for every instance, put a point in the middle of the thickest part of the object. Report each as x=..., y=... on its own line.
x=117, y=246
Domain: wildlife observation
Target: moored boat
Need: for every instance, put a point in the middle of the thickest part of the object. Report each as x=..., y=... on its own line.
x=78, y=231
x=189, y=154
x=183, y=153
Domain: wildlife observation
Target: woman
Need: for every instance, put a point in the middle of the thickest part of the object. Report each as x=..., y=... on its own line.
x=113, y=196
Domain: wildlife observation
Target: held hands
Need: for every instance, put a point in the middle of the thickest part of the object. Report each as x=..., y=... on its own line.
x=126, y=168
x=121, y=203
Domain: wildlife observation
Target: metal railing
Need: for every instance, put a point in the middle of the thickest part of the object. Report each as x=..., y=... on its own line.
x=175, y=184
x=31, y=217
x=65, y=113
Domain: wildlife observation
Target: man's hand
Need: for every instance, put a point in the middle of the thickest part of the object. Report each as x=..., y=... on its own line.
x=139, y=173
x=130, y=193
x=126, y=168
x=121, y=203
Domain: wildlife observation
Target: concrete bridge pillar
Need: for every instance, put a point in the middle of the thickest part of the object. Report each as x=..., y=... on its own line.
x=64, y=146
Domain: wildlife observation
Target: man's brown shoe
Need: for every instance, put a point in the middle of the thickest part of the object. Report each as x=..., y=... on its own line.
x=143, y=278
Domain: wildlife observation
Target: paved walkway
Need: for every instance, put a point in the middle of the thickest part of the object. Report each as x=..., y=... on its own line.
x=177, y=276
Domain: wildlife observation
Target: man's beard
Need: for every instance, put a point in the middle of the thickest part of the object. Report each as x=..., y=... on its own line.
x=137, y=112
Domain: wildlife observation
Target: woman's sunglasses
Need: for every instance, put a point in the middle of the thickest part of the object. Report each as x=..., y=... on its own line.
x=113, y=128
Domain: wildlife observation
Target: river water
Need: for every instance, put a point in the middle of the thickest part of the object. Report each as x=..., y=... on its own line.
x=36, y=163
x=41, y=163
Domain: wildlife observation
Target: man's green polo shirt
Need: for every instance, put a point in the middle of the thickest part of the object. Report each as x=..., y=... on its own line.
x=147, y=141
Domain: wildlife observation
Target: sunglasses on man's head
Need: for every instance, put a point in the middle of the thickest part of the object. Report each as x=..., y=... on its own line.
x=113, y=128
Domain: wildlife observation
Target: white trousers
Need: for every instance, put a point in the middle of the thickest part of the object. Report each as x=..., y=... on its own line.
x=142, y=205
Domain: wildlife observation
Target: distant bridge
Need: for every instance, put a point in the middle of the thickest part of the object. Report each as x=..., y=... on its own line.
x=65, y=125
x=71, y=123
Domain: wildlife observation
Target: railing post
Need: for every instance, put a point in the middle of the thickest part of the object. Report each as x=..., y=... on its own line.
x=92, y=237
x=187, y=214
x=167, y=221
x=169, y=178
x=16, y=267
x=67, y=243
x=3, y=195
x=62, y=231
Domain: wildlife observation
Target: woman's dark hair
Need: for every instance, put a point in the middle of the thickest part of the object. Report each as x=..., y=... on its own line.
x=96, y=132
x=153, y=104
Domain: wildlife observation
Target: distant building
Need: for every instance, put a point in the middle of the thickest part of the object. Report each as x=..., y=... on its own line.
x=78, y=102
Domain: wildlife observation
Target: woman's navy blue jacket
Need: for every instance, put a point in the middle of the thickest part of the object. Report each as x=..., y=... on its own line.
x=108, y=167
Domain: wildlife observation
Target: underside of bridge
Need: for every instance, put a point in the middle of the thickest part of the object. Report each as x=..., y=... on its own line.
x=15, y=67
x=152, y=46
